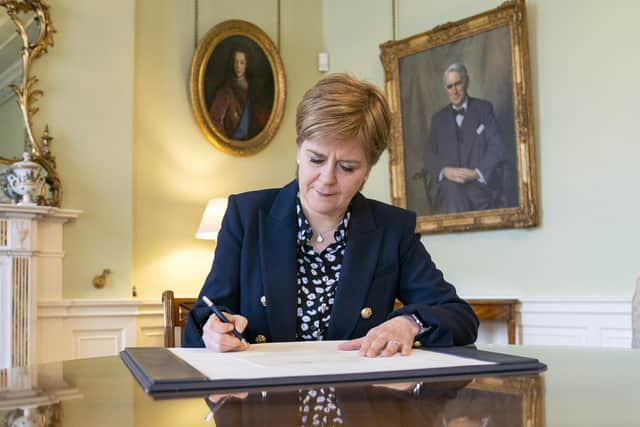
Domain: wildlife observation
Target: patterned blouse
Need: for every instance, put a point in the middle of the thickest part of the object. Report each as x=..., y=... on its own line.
x=318, y=276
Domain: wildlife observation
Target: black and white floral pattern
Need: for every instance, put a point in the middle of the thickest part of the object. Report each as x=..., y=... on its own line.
x=318, y=276
x=318, y=407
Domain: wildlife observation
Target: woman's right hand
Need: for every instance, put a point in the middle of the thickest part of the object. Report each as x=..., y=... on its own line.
x=217, y=335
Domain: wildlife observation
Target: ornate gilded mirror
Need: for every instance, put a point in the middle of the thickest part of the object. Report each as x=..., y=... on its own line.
x=26, y=32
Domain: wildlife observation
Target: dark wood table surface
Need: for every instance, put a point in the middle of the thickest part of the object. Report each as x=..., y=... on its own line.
x=582, y=387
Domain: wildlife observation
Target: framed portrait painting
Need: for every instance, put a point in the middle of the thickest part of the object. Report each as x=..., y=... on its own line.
x=462, y=150
x=237, y=87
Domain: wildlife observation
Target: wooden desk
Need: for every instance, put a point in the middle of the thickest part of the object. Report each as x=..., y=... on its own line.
x=497, y=309
x=102, y=392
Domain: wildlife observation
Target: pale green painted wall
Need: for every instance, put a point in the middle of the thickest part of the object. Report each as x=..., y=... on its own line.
x=175, y=169
x=352, y=32
x=582, y=52
x=131, y=155
x=12, y=133
x=88, y=82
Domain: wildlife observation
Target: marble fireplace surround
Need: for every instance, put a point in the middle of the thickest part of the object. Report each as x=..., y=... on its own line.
x=31, y=254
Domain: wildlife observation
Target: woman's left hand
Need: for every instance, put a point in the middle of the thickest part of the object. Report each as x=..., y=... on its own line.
x=396, y=335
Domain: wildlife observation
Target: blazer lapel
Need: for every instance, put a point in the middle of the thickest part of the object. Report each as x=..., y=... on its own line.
x=358, y=266
x=277, y=240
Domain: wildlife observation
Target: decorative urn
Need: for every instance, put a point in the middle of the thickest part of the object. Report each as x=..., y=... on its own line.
x=25, y=180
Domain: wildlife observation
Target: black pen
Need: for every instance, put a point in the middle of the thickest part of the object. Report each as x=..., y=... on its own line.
x=222, y=317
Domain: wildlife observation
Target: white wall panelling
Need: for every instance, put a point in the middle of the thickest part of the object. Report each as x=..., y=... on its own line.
x=97, y=342
x=588, y=321
x=86, y=328
x=91, y=328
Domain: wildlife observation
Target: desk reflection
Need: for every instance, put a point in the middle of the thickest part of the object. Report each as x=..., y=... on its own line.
x=101, y=392
x=32, y=396
x=481, y=402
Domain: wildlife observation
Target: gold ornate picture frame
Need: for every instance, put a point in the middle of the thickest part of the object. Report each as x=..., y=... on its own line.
x=35, y=31
x=237, y=87
x=473, y=169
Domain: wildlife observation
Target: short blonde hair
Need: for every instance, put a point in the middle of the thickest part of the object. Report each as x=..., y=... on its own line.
x=342, y=107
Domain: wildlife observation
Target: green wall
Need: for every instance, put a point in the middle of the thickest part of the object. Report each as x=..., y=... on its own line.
x=12, y=133
x=87, y=78
x=132, y=157
x=580, y=52
x=175, y=169
x=586, y=244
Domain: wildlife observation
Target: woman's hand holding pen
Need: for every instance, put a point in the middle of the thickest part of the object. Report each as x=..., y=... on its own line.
x=217, y=336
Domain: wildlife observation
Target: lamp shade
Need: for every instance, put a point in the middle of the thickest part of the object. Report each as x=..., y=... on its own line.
x=212, y=219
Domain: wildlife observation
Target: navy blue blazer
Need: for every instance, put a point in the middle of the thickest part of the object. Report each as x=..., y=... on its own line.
x=384, y=260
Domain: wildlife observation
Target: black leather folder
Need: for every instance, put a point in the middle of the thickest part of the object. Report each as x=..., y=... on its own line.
x=160, y=373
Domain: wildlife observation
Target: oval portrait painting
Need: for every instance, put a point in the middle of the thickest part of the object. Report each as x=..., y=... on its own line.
x=237, y=87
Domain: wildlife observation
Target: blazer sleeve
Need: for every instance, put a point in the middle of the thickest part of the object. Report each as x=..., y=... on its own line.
x=222, y=284
x=424, y=292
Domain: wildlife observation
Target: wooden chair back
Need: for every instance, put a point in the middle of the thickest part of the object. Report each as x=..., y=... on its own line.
x=494, y=309
x=176, y=311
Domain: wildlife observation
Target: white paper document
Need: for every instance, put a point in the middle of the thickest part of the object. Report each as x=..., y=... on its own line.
x=308, y=358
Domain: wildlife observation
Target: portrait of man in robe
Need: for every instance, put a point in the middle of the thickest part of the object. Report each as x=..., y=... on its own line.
x=239, y=88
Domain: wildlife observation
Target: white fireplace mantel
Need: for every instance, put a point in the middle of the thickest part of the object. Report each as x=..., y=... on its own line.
x=31, y=255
